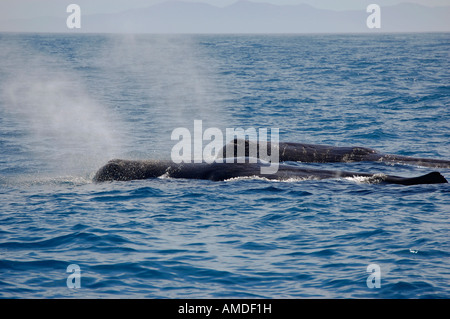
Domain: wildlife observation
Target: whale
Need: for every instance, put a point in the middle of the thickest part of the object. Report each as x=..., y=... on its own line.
x=312, y=153
x=127, y=170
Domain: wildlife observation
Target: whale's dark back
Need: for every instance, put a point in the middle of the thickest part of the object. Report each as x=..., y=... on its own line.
x=300, y=152
x=125, y=170
x=312, y=153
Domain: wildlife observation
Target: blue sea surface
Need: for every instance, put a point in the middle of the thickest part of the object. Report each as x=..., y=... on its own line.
x=71, y=102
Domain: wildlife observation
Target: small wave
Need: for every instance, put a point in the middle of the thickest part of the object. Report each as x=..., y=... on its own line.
x=31, y=180
x=255, y=177
x=166, y=175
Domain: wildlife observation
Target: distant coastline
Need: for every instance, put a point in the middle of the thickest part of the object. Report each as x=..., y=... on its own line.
x=240, y=17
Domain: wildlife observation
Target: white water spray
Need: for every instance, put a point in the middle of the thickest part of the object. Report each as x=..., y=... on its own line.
x=65, y=129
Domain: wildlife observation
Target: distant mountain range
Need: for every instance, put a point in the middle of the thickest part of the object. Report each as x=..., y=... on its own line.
x=242, y=17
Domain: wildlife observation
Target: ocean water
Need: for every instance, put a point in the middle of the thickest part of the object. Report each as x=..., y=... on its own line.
x=69, y=103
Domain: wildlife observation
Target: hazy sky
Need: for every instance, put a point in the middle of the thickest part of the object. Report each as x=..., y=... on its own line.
x=12, y=9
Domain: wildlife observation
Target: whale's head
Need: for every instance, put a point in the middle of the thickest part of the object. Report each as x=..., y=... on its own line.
x=126, y=170
x=113, y=171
